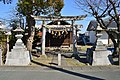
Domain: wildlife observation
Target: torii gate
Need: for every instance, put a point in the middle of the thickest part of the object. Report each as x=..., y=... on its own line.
x=60, y=18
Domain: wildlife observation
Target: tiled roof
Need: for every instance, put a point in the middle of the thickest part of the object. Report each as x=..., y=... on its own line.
x=93, y=25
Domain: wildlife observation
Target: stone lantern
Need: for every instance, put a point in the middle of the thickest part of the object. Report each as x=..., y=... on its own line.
x=19, y=56
x=101, y=56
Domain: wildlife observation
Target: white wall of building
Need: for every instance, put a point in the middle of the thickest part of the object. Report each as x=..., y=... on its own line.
x=92, y=36
x=103, y=38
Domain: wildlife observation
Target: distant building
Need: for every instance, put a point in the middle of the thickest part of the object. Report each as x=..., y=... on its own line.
x=94, y=28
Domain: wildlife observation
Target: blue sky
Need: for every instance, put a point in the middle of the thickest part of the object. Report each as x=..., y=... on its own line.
x=70, y=9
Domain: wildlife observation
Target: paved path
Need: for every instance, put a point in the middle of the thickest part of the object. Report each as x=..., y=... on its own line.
x=64, y=72
x=56, y=73
x=47, y=67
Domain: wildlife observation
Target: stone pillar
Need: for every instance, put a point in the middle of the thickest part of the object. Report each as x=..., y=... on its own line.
x=59, y=59
x=0, y=56
x=74, y=38
x=43, y=38
x=71, y=38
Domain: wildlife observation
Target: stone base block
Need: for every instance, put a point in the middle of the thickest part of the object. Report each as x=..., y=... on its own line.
x=101, y=58
x=20, y=60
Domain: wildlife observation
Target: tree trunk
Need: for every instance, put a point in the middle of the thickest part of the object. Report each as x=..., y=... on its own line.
x=118, y=36
x=119, y=48
x=31, y=31
x=114, y=42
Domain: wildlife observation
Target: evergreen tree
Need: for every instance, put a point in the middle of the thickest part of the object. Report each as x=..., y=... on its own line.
x=37, y=8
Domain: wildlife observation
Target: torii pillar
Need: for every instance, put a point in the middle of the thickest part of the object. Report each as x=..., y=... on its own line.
x=74, y=38
x=43, y=38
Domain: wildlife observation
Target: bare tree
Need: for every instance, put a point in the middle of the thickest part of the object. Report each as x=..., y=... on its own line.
x=101, y=9
x=6, y=1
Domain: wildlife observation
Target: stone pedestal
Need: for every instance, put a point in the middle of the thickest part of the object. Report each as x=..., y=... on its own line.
x=19, y=56
x=59, y=59
x=101, y=58
x=101, y=55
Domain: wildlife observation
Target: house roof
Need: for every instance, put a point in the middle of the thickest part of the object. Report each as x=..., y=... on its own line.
x=93, y=25
x=112, y=25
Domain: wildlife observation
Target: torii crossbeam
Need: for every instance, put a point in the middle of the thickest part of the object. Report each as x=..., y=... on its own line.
x=64, y=18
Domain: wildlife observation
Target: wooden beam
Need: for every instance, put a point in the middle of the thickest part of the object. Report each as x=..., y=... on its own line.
x=57, y=26
x=64, y=18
